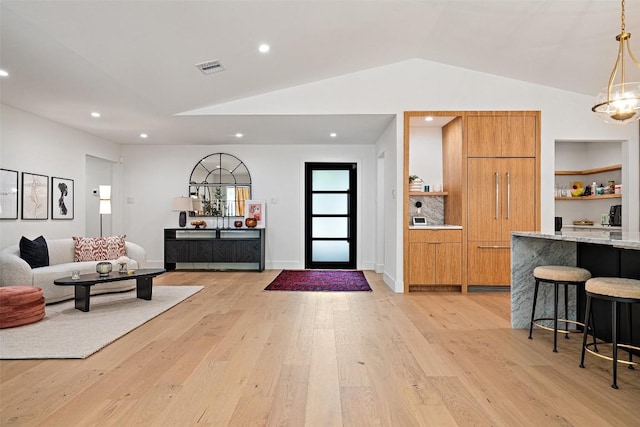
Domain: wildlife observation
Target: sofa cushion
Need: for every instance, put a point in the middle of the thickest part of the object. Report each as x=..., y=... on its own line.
x=98, y=248
x=114, y=247
x=34, y=252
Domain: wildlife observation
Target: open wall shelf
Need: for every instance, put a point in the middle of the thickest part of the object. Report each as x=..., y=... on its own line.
x=598, y=197
x=428, y=193
x=591, y=171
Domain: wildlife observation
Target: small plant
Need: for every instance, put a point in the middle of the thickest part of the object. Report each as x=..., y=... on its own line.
x=413, y=178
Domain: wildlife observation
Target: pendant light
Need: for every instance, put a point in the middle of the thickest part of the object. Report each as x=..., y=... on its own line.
x=620, y=103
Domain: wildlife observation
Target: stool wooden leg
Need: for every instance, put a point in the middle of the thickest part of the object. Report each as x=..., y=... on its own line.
x=587, y=319
x=614, y=332
x=555, y=318
x=533, y=310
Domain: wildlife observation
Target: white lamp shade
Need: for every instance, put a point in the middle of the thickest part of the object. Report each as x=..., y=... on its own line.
x=105, y=192
x=105, y=207
x=182, y=204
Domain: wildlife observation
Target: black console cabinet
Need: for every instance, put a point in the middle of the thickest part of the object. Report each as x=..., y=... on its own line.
x=214, y=249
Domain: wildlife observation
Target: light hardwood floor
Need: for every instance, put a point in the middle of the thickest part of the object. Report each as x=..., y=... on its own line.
x=236, y=355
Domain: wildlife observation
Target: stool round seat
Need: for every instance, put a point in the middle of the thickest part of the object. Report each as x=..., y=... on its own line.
x=561, y=273
x=615, y=290
x=614, y=287
x=20, y=305
x=556, y=275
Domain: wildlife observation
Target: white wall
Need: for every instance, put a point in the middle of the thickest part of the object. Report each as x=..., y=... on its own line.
x=29, y=143
x=419, y=85
x=390, y=207
x=151, y=180
x=425, y=158
x=152, y=176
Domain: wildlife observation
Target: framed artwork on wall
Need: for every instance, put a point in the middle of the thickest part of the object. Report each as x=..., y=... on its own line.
x=8, y=194
x=255, y=209
x=62, y=198
x=35, y=196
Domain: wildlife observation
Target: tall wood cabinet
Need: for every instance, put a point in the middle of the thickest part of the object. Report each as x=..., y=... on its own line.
x=502, y=191
x=491, y=173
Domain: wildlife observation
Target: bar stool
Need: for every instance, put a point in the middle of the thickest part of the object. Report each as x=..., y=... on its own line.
x=617, y=290
x=556, y=275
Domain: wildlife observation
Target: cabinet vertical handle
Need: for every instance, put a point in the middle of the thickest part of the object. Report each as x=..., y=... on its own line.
x=508, y=195
x=497, y=194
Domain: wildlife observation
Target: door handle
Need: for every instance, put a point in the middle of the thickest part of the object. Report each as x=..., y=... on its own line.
x=493, y=247
x=508, y=195
x=497, y=194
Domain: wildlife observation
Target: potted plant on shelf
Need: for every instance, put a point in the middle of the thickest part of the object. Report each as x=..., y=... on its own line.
x=415, y=183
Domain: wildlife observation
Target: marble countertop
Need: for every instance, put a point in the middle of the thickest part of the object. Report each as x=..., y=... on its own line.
x=621, y=239
x=435, y=227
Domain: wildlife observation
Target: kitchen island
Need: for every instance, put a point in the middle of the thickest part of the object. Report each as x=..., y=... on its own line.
x=603, y=253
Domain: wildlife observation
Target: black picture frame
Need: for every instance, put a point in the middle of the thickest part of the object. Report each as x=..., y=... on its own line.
x=62, y=198
x=9, y=194
x=35, y=196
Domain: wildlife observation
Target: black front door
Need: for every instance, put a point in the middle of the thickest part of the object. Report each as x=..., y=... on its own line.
x=330, y=218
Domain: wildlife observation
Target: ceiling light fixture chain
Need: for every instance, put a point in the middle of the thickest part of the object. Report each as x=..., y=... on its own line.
x=620, y=103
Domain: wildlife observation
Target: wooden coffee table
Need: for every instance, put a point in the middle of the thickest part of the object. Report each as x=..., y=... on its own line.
x=144, y=281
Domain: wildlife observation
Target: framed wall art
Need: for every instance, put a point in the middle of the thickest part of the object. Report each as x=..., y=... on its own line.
x=255, y=209
x=8, y=194
x=62, y=198
x=35, y=196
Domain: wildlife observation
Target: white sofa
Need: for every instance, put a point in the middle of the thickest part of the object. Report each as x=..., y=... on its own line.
x=15, y=271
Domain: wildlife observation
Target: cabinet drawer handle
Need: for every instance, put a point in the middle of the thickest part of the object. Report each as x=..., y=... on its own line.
x=494, y=247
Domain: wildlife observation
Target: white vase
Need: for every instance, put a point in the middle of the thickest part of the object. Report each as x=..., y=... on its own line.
x=416, y=185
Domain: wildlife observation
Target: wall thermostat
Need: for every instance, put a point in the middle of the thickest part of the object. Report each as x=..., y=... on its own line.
x=419, y=220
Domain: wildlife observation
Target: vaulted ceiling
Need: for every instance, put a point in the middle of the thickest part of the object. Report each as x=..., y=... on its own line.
x=134, y=61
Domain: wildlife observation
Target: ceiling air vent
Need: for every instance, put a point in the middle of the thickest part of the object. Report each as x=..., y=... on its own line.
x=210, y=67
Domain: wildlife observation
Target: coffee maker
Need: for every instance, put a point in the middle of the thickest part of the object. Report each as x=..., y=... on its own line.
x=615, y=215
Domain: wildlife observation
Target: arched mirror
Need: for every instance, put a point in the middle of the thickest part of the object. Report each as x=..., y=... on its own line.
x=221, y=184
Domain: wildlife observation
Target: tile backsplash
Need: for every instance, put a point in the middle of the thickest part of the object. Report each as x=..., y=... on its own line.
x=432, y=208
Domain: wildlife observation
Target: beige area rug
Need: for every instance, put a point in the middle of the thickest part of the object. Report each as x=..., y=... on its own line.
x=67, y=333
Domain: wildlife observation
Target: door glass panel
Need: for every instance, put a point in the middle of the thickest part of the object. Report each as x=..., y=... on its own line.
x=330, y=204
x=330, y=180
x=329, y=227
x=328, y=251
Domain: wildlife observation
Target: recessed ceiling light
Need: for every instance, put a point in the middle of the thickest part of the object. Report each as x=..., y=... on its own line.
x=239, y=135
x=428, y=119
x=264, y=48
x=144, y=135
x=4, y=73
x=333, y=134
x=95, y=114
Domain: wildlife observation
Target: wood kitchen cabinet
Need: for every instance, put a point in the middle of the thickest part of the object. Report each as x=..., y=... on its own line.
x=501, y=198
x=435, y=257
x=491, y=173
x=502, y=135
x=502, y=193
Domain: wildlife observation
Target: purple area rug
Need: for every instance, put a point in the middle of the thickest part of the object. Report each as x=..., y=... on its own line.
x=319, y=280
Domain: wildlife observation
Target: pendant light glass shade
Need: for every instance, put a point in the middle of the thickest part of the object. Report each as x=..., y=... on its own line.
x=619, y=103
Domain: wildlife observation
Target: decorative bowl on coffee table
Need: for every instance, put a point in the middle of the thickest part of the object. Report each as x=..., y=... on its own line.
x=104, y=268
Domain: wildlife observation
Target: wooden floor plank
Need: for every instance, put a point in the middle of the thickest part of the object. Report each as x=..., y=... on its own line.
x=234, y=354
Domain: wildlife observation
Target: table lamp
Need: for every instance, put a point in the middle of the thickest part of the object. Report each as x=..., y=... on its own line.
x=182, y=204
